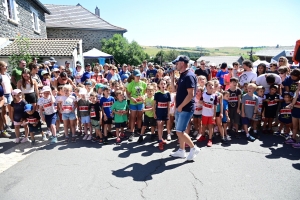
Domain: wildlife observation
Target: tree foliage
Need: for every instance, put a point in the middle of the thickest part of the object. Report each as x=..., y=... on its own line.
x=22, y=52
x=123, y=51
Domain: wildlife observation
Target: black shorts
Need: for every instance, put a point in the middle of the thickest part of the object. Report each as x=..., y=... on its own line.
x=30, y=97
x=270, y=113
x=35, y=129
x=217, y=114
x=120, y=125
x=108, y=121
x=149, y=121
x=233, y=115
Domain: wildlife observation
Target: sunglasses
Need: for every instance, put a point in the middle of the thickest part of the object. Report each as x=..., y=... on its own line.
x=57, y=72
x=229, y=69
x=280, y=60
x=202, y=64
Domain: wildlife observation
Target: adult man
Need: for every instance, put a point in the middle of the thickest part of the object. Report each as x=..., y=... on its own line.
x=53, y=65
x=124, y=70
x=248, y=76
x=17, y=73
x=266, y=80
x=67, y=64
x=151, y=72
x=186, y=90
x=87, y=74
x=203, y=71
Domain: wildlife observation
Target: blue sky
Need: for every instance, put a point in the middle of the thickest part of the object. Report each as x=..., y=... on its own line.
x=189, y=23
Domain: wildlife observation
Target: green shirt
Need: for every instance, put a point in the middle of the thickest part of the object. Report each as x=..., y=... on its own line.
x=137, y=90
x=149, y=104
x=117, y=106
x=17, y=73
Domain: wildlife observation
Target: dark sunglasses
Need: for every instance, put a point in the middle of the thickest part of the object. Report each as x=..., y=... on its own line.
x=280, y=60
x=202, y=64
x=57, y=72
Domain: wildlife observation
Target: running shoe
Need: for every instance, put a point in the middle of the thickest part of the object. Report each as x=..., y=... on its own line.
x=4, y=134
x=202, y=138
x=25, y=139
x=224, y=141
x=32, y=142
x=290, y=141
x=44, y=137
x=209, y=143
x=105, y=141
x=179, y=154
x=141, y=139
x=193, y=153
x=122, y=135
x=53, y=140
x=8, y=128
x=17, y=140
x=228, y=138
x=48, y=133
x=90, y=137
x=161, y=146
x=118, y=140
x=85, y=137
x=250, y=138
x=169, y=137
x=277, y=133
x=195, y=133
x=131, y=137
x=296, y=145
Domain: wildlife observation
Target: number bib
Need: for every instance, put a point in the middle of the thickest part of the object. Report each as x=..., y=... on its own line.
x=83, y=108
x=162, y=105
x=250, y=103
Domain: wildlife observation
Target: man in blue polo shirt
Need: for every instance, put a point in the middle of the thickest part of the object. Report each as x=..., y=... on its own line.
x=87, y=74
x=185, y=100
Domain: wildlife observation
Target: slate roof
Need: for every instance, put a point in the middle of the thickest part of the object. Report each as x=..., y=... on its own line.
x=43, y=47
x=76, y=17
x=220, y=59
x=269, y=52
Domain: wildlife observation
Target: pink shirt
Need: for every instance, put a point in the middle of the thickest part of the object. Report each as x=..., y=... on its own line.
x=227, y=79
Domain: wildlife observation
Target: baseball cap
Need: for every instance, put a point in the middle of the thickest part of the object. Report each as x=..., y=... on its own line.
x=67, y=62
x=213, y=64
x=46, y=89
x=44, y=72
x=229, y=67
x=88, y=83
x=28, y=107
x=136, y=72
x=55, y=70
x=183, y=58
x=47, y=63
x=52, y=59
x=16, y=91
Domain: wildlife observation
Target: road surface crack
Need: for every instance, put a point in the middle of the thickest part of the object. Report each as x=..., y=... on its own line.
x=196, y=177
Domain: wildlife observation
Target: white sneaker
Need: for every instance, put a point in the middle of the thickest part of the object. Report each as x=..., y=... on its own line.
x=228, y=138
x=179, y=154
x=89, y=138
x=44, y=138
x=193, y=153
x=25, y=139
x=48, y=133
x=85, y=137
x=198, y=136
x=195, y=133
x=169, y=137
x=17, y=140
x=171, y=133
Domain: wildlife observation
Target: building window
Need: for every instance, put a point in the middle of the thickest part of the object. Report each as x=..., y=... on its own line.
x=11, y=9
x=35, y=21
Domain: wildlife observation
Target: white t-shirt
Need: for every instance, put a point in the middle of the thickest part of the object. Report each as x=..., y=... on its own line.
x=209, y=101
x=78, y=76
x=198, y=107
x=261, y=80
x=247, y=77
x=172, y=103
x=67, y=103
x=49, y=107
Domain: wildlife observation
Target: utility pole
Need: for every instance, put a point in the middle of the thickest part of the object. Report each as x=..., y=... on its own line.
x=251, y=54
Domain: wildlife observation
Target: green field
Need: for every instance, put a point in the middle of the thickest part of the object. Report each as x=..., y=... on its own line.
x=217, y=51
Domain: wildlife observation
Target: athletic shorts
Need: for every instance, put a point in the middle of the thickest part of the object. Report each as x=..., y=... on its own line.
x=270, y=113
x=233, y=115
x=182, y=120
x=120, y=125
x=197, y=116
x=35, y=129
x=85, y=119
x=246, y=121
x=95, y=124
x=30, y=97
x=8, y=98
x=50, y=119
x=108, y=121
x=284, y=120
x=207, y=120
x=217, y=114
x=17, y=123
x=137, y=107
x=149, y=121
x=68, y=116
x=296, y=113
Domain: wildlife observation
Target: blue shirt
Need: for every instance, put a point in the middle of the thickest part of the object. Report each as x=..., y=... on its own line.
x=85, y=76
x=106, y=104
x=220, y=76
x=115, y=77
x=186, y=80
x=151, y=73
x=225, y=108
x=291, y=84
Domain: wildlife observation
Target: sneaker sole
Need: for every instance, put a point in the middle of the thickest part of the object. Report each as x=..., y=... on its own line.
x=195, y=154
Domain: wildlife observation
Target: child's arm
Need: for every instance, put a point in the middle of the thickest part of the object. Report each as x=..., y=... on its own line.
x=36, y=89
x=243, y=110
x=41, y=111
x=221, y=106
x=154, y=109
x=215, y=109
x=255, y=112
x=239, y=105
x=227, y=116
x=1, y=102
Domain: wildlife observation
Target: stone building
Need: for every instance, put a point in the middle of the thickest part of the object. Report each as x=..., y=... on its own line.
x=68, y=21
x=22, y=17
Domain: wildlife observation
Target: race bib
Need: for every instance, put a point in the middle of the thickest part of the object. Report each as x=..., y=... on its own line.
x=83, y=108
x=207, y=105
x=297, y=103
x=233, y=99
x=31, y=120
x=47, y=105
x=162, y=105
x=93, y=114
x=139, y=99
x=107, y=104
x=250, y=103
x=198, y=108
x=147, y=107
x=172, y=104
x=260, y=106
x=67, y=108
x=286, y=111
x=272, y=103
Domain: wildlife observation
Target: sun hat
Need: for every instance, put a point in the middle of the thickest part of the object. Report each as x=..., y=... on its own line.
x=28, y=107
x=16, y=91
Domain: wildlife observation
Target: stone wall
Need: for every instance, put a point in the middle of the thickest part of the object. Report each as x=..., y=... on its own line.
x=90, y=38
x=23, y=24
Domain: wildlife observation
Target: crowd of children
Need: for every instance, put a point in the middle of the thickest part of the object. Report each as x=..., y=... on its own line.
x=90, y=110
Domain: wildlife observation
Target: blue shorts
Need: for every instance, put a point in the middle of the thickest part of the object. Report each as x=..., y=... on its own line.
x=85, y=120
x=182, y=119
x=246, y=121
x=50, y=119
x=68, y=116
x=8, y=98
x=137, y=107
x=296, y=113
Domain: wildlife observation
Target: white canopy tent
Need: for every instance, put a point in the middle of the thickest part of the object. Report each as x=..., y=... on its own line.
x=256, y=63
x=95, y=53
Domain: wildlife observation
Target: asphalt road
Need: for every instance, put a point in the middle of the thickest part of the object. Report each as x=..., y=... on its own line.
x=264, y=169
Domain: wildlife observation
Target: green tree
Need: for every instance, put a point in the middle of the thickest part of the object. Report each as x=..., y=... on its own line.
x=123, y=51
x=22, y=52
x=171, y=55
x=160, y=57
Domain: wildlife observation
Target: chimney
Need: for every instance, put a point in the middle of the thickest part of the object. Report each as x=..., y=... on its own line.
x=97, y=11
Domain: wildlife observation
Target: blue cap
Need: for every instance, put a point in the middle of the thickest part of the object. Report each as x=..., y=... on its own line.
x=28, y=107
x=136, y=72
x=124, y=76
x=181, y=58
